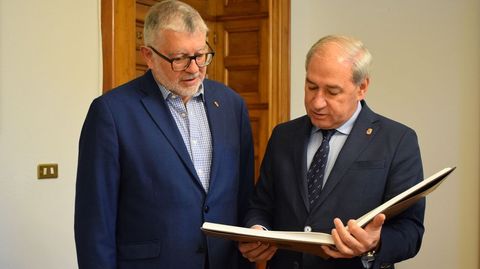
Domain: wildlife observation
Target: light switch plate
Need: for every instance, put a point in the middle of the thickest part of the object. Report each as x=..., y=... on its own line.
x=47, y=170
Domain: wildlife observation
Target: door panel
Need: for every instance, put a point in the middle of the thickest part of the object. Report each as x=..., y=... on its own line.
x=245, y=66
x=241, y=7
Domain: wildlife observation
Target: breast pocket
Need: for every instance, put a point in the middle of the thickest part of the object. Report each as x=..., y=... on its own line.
x=370, y=164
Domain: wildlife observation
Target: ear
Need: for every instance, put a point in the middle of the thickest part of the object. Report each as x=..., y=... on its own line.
x=363, y=88
x=147, y=56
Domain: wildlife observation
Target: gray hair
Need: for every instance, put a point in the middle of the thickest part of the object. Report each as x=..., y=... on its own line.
x=356, y=52
x=173, y=15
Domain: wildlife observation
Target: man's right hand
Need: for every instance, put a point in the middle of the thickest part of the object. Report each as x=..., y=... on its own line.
x=257, y=251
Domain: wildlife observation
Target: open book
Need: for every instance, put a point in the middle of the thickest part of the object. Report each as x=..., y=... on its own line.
x=309, y=242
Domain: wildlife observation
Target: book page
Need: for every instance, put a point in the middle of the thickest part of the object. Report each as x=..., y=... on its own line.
x=310, y=242
x=253, y=235
x=407, y=198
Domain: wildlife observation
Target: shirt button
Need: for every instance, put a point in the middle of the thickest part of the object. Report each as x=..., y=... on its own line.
x=183, y=115
x=307, y=229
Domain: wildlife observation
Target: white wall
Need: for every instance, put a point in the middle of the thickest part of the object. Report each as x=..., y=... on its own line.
x=426, y=75
x=49, y=73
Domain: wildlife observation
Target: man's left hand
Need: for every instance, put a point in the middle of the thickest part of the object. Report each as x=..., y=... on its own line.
x=355, y=240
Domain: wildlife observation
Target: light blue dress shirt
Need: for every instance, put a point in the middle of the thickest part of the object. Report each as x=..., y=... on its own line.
x=192, y=122
x=336, y=142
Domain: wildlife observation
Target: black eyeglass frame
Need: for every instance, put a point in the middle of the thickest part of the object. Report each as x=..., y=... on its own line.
x=193, y=57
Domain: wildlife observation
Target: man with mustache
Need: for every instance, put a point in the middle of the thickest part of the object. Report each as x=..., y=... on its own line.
x=161, y=154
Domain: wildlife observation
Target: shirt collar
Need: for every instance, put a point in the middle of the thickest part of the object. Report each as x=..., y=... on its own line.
x=346, y=128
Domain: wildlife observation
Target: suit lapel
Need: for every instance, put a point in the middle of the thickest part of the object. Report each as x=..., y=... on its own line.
x=217, y=121
x=362, y=133
x=299, y=158
x=157, y=108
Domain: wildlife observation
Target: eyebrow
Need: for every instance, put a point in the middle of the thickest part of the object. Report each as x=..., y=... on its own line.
x=309, y=81
x=333, y=87
x=197, y=51
x=328, y=86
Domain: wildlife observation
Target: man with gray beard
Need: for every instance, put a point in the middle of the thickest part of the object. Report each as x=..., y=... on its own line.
x=161, y=154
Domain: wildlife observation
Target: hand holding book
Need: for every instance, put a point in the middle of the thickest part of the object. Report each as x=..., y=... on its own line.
x=353, y=240
x=257, y=251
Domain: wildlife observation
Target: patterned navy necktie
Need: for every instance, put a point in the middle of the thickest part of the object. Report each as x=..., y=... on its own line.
x=316, y=172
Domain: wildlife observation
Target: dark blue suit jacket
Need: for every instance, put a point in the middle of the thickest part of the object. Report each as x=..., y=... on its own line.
x=370, y=169
x=139, y=202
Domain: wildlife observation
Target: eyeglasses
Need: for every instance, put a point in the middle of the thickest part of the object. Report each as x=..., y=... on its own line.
x=182, y=63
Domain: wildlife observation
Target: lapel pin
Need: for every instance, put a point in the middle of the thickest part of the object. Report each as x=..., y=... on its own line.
x=216, y=103
x=369, y=131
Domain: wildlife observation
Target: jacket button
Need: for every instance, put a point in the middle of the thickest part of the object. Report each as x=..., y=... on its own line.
x=307, y=229
x=206, y=209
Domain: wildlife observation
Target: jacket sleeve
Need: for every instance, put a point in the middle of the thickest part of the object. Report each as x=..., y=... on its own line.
x=97, y=190
x=262, y=201
x=247, y=168
x=401, y=236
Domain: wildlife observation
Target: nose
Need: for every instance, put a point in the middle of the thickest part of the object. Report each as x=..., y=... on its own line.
x=318, y=100
x=192, y=67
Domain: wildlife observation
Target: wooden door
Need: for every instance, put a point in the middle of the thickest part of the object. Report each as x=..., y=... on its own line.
x=251, y=41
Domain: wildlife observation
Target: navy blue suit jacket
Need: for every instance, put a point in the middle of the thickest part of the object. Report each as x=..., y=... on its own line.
x=139, y=202
x=370, y=169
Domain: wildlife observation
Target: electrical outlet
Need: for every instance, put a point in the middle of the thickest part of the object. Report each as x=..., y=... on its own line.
x=47, y=170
